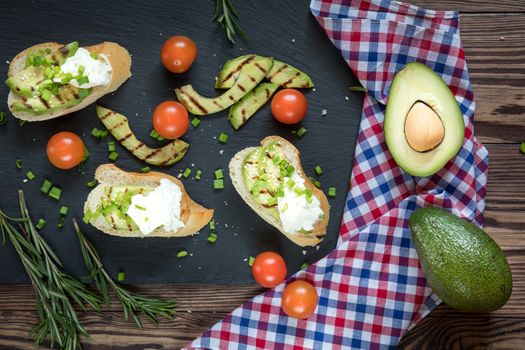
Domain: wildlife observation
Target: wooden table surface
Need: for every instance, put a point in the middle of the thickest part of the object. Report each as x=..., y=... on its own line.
x=493, y=34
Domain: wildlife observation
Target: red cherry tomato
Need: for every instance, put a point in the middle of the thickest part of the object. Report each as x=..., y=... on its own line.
x=289, y=106
x=65, y=150
x=269, y=269
x=178, y=53
x=170, y=119
x=299, y=299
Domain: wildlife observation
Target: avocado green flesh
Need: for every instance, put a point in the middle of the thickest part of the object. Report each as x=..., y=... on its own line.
x=243, y=110
x=462, y=264
x=118, y=125
x=281, y=73
x=250, y=75
x=418, y=83
x=67, y=96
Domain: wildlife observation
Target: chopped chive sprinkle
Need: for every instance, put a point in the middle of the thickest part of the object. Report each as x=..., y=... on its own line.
x=301, y=132
x=139, y=207
x=223, y=137
x=46, y=186
x=318, y=170
x=3, y=118
x=94, y=55
x=87, y=217
x=30, y=175
x=186, y=173
x=331, y=191
x=103, y=133
x=212, y=225
x=358, y=88
x=218, y=184
x=195, y=122
x=45, y=94
x=290, y=183
x=21, y=122
x=198, y=175
x=95, y=132
x=19, y=163
x=121, y=277
x=154, y=134
x=113, y=156
x=272, y=201
x=40, y=224
x=92, y=183
x=61, y=222
x=86, y=154
x=219, y=174
x=251, y=260
x=182, y=254
x=304, y=266
x=285, y=207
x=212, y=238
x=64, y=210
x=82, y=80
x=315, y=182
x=81, y=166
x=522, y=147
x=55, y=193
x=111, y=146
x=146, y=169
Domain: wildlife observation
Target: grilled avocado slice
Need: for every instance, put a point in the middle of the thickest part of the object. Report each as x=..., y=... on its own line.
x=243, y=110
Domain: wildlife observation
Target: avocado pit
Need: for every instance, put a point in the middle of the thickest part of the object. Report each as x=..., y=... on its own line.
x=424, y=129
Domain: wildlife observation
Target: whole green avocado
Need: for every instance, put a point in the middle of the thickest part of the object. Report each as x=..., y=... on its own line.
x=463, y=265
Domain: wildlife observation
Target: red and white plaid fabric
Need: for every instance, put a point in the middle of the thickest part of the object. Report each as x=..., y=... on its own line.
x=371, y=288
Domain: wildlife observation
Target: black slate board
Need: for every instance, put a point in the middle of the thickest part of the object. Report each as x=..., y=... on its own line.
x=285, y=30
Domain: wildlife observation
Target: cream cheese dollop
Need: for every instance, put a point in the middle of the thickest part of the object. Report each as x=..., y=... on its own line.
x=160, y=207
x=296, y=211
x=97, y=70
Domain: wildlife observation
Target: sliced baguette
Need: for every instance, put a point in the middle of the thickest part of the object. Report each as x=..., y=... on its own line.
x=121, y=70
x=193, y=215
x=293, y=157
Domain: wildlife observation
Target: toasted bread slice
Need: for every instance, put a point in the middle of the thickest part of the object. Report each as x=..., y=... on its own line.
x=293, y=157
x=193, y=215
x=121, y=70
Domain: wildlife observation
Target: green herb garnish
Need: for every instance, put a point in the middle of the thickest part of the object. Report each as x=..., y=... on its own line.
x=195, y=122
x=251, y=259
x=18, y=163
x=46, y=186
x=225, y=16
x=304, y=266
x=40, y=224
x=92, y=183
x=113, y=156
x=55, y=193
x=140, y=207
x=331, y=191
x=212, y=224
x=318, y=170
x=218, y=184
x=186, y=173
x=3, y=118
x=182, y=254
x=146, y=169
x=522, y=147
x=212, y=238
x=30, y=175
x=121, y=277
x=64, y=210
x=301, y=132
x=198, y=175
x=223, y=137
x=219, y=174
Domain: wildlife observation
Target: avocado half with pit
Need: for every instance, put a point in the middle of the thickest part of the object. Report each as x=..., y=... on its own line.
x=423, y=124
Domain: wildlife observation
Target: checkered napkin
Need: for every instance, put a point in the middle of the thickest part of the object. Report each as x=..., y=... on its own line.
x=371, y=288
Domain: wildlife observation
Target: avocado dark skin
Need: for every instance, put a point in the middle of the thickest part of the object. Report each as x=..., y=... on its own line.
x=464, y=266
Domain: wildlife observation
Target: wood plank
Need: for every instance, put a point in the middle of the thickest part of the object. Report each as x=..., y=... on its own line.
x=472, y=6
x=465, y=333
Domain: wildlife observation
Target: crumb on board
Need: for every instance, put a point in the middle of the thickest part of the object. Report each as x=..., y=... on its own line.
x=324, y=112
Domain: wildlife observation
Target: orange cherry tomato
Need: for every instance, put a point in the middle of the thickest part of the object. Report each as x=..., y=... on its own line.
x=178, y=53
x=170, y=119
x=299, y=299
x=269, y=269
x=289, y=106
x=65, y=150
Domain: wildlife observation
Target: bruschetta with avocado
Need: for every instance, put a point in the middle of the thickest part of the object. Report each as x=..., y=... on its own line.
x=271, y=180
x=51, y=79
x=142, y=205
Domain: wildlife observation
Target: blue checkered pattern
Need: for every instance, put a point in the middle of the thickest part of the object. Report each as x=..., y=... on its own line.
x=371, y=288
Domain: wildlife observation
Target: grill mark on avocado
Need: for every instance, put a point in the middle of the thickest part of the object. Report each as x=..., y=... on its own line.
x=242, y=88
x=217, y=104
x=283, y=67
x=140, y=145
x=118, y=125
x=252, y=79
x=231, y=97
x=251, y=162
x=243, y=113
x=289, y=81
x=195, y=102
x=152, y=153
x=125, y=137
x=268, y=93
x=76, y=95
x=44, y=102
x=238, y=69
x=107, y=115
x=260, y=68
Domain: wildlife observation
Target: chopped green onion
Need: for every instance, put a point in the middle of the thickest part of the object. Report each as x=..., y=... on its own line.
x=218, y=184
x=304, y=266
x=55, y=193
x=81, y=70
x=146, y=169
x=280, y=193
x=64, y=210
x=103, y=133
x=21, y=122
x=182, y=254
x=111, y=146
x=46, y=186
x=290, y=169
x=251, y=260
x=92, y=183
x=87, y=216
x=318, y=170
x=301, y=132
x=198, y=175
x=186, y=173
x=30, y=175
x=212, y=224
x=45, y=94
x=94, y=55
x=223, y=137
x=331, y=191
x=66, y=78
x=82, y=80
x=272, y=201
x=195, y=122
x=18, y=163
x=83, y=93
x=160, y=138
x=290, y=183
x=113, y=156
x=95, y=132
x=219, y=174
x=81, y=166
x=140, y=207
x=40, y=224
x=285, y=207
x=154, y=134
x=121, y=276
x=86, y=154
x=3, y=118
x=522, y=147
x=315, y=182
x=212, y=238
x=61, y=222
x=358, y=88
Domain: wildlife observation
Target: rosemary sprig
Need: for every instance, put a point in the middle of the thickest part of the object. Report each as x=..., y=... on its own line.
x=54, y=288
x=225, y=16
x=132, y=304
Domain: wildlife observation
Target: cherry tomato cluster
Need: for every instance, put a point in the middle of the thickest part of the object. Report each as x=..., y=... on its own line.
x=299, y=298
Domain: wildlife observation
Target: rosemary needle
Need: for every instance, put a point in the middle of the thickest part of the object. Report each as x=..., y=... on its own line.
x=225, y=16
